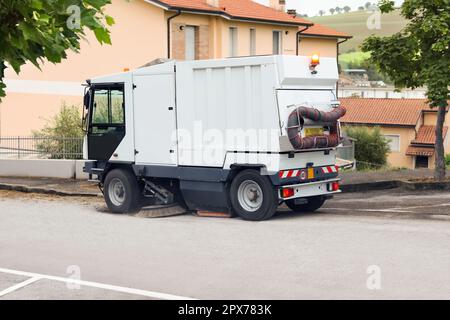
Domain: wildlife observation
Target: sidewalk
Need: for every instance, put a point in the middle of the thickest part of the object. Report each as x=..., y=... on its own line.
x=351, y=182
x=62, y=187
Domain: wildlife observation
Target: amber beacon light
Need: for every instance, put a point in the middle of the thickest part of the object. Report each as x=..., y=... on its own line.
x=315, y=61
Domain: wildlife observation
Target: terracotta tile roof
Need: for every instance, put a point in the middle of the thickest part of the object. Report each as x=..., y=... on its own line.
x=420, y=151
x=427, y=135
x=324, y=31
x=397, y=112
x=245, y=9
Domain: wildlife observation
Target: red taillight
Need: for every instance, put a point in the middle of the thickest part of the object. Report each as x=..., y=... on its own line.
x=335, y=186
x=287, y=193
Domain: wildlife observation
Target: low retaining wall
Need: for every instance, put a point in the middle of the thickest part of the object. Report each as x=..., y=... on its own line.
x=64, y=169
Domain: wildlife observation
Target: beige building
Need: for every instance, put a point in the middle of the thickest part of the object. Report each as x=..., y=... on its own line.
x=409, y=125
x=150, y=29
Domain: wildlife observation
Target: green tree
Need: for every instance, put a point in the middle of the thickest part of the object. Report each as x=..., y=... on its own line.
x=371, y=147
x=417, y=56
x=347, y=9
x=38, y=30
x=61, y=136
x=332, y=11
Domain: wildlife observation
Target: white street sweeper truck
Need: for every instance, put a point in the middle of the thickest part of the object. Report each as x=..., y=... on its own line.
x=240, y=135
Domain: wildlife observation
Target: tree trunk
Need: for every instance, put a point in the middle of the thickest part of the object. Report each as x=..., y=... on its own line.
x=439, y=173
x=2, y=75
x=2, y=70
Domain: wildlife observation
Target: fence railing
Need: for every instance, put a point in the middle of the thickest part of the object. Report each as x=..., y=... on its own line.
x=40, y=148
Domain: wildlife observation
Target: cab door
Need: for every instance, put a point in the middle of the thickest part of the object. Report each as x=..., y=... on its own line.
x=106, y=121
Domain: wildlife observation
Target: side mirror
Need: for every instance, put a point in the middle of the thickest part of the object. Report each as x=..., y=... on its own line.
x=87, y=99
x=86, y=102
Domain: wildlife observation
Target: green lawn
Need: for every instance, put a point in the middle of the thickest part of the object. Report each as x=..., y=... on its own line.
x=355, y=24
x=352, y=57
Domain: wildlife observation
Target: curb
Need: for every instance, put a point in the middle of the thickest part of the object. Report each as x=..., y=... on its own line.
x=28, y=189
x=370, y=186
x=424, y=186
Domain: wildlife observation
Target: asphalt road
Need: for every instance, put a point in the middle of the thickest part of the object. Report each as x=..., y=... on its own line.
x=382, y=245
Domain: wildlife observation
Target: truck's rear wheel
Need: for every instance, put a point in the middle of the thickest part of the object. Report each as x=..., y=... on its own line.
x=253, y=196
x=122, y=192
x=314, y=204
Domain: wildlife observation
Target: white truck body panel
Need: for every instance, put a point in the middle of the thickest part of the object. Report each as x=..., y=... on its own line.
x=155, y=143
x=225, y=112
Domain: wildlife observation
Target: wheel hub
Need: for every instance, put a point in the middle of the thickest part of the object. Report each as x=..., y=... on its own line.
x=117, y=192
x=250, y=196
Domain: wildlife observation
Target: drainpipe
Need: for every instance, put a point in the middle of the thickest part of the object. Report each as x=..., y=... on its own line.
x=168, y=32
x=337, y=59
x=298, y=38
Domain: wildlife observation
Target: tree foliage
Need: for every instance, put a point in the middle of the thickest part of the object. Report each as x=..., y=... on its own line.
x=38, y=30
x=371, y=147
x=419, y=55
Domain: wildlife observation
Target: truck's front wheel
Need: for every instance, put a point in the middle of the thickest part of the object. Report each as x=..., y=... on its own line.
x=314, y=204
x=122, y=192
x=253, y=196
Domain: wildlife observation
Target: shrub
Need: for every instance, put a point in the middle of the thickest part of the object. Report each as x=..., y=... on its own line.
x=447, y=160
x=371, y=147
x=61, y=136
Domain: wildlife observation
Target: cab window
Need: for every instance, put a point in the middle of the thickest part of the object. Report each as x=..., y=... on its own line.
x=108, y=107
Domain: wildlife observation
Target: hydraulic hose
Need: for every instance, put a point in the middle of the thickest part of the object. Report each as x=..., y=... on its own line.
x=296, y=123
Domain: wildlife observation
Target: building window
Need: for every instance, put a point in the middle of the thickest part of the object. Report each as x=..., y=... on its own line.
x=277, y=42
x=421, y=162
x=394, y=142
x=252, y=42
x=190, y=33
x=233, y=42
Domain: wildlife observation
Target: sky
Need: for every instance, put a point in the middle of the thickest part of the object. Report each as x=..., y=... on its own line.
x=312, y=7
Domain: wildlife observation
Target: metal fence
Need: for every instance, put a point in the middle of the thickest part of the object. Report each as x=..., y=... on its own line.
x=346, y=152
x=41, y=148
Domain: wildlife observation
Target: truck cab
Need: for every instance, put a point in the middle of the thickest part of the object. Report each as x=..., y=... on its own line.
x=241, y=135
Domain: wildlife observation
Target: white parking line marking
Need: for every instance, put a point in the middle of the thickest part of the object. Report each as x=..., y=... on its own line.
x=19, y=286
x=144, y=293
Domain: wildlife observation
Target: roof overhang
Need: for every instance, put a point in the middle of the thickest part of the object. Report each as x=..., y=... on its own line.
x=373, y=124
x=420, y=151
x=302, y=35
x=226, y=15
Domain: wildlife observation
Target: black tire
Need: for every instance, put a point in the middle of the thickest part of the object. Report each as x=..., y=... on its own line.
x=131, y=196
x=314, y=204
x=265, y=206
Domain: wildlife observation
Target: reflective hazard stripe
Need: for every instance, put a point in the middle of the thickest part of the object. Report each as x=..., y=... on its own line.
x=298, y=172
x=331, y=169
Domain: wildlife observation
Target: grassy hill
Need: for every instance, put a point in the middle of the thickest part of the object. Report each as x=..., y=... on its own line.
x=355, y=24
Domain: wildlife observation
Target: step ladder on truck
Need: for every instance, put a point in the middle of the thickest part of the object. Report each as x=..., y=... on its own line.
x=240, y=135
